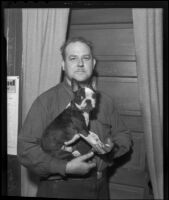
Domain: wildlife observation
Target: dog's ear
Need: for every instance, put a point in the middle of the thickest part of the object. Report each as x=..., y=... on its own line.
x=75, y=85
x=93, y=83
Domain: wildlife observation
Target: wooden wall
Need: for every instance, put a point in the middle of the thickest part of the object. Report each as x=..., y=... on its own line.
x=111, y=32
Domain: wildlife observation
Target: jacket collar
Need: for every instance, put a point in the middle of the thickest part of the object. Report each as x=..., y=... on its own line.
x=67, y=87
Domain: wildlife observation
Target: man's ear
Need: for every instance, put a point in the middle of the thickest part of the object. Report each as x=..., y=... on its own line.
x=63, y=65
x=93, y=83
x=75, y=85
x=94, y=63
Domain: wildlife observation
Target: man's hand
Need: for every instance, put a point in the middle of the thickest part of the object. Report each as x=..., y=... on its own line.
x=109, y=145
x=80, y=165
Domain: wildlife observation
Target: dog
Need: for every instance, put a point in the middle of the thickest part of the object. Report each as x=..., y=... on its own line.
x=72, y=123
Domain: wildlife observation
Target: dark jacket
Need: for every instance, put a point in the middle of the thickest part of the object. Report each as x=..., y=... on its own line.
x=105, y=122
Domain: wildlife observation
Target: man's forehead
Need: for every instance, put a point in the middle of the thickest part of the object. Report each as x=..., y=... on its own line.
x=74, y=47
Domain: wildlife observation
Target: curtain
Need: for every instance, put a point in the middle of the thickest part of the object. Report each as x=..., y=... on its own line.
x=44, y=31
x=148, y=44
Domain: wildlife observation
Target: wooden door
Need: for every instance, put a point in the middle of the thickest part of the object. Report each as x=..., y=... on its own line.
x=111, y=32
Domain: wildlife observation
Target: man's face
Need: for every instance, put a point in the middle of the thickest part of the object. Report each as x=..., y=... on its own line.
x=79, y=63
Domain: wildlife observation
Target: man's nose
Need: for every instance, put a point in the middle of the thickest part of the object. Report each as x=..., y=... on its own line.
x=80, y=63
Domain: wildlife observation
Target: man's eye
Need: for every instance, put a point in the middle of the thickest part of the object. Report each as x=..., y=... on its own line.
x=87, y=58
x=72, y=58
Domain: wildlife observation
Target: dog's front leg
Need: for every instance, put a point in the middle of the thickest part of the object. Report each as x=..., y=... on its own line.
x=67, y=147
x=74, y=139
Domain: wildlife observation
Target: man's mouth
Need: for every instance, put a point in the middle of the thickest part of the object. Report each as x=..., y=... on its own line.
x=80, y=71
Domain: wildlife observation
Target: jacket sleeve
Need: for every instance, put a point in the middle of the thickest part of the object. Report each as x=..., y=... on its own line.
x=29, y=150
x=121, y=136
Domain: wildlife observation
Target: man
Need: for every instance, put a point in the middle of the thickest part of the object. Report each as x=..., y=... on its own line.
x=79, y=178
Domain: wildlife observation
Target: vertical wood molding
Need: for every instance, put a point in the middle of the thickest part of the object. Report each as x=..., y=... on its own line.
x=13, y=34
x=13, y=24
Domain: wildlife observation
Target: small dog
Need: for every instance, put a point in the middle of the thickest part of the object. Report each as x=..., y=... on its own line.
x=73, y=121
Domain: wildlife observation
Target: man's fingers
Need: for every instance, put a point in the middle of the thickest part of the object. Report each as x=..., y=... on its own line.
x=91, y=165
x=109, y=142
x=86, y=156
x=99, y=149
x=109, y=145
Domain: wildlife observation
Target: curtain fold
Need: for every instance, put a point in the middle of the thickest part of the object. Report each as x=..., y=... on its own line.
x=43, y=32
x=149, y=55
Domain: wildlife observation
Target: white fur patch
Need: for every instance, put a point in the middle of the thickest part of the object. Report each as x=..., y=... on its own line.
x=86, y=116
x=88, y=92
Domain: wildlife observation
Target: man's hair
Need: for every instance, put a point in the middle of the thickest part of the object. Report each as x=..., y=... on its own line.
x=73, y=40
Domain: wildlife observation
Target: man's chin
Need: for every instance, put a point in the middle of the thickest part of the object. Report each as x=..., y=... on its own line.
x=81, y=79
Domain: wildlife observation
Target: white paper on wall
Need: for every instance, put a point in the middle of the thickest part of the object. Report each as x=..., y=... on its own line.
x=12, y=113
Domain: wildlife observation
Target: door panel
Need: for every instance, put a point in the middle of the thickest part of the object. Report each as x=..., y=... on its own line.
x=108, y=68
x=121, y=40
x=123, y=90
x=101, y=16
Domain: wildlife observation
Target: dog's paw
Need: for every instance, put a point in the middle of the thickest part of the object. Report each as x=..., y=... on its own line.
x=97, y=145
x=65, y=148
x=76, y=153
